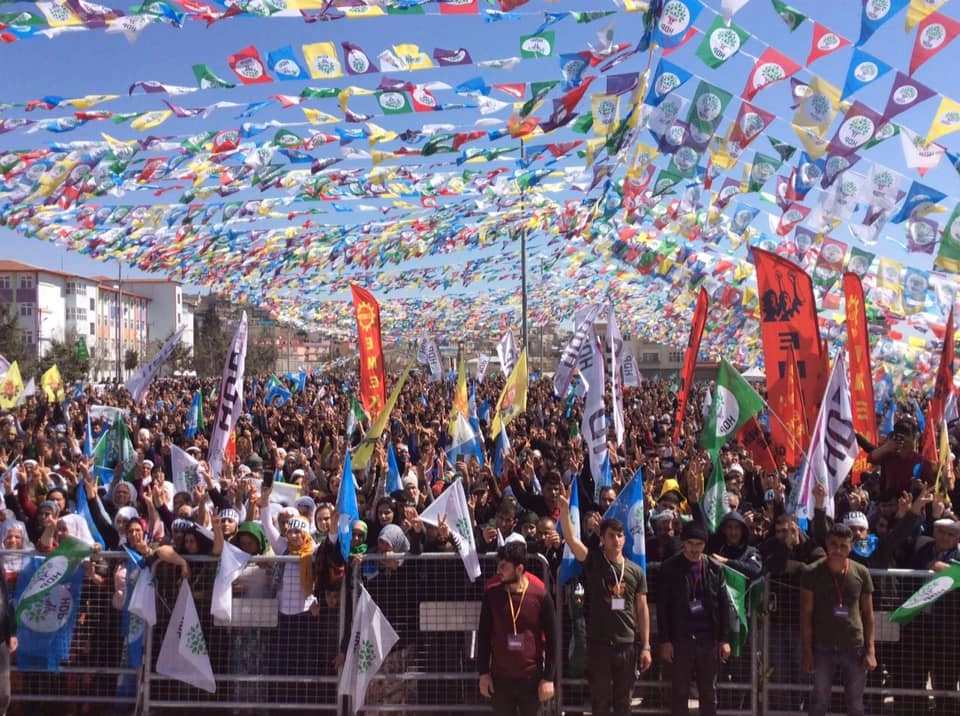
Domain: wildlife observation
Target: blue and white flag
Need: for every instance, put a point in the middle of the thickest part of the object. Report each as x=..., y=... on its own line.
x=275, y=393
x=475, y=420
x=83, y=509
x=463, y=440
x=630, y=508
x=132, y=626
x=193, y=417
x=503, y=445
x=393, y=471
x=347, y=510
x=45, y=627
x=569, y=566
x=88, y=439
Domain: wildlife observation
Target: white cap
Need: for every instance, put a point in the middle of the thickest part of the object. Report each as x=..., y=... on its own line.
x=948, y=524
x=856, y=519
x=243, y=470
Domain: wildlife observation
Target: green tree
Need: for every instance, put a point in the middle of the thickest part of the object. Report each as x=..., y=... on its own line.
x=131, y=360
x=261, y=358
x=210, y=343
x=64, y=355
x=11, y=345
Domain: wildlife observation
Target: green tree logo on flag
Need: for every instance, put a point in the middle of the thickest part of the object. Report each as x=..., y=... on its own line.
x=195, y=641
x=365, y=656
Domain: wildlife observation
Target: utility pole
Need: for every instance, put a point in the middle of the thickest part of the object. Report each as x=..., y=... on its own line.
x=119, y=322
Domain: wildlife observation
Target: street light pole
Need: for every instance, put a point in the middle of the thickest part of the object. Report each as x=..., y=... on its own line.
x=119, y=321
x=523, y=255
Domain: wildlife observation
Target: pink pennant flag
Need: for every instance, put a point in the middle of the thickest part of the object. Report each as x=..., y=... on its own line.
x=933, y=34
x=771, y=67
x=793, y=216
x=825, y=41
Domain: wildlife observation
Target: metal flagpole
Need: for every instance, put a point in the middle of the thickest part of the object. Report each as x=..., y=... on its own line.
x=523, y=257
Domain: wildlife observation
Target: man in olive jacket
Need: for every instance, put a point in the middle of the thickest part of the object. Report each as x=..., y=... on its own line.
x=694, y=620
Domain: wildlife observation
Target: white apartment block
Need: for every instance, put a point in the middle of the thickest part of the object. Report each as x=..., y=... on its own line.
x=53, y=305
x=168, y=311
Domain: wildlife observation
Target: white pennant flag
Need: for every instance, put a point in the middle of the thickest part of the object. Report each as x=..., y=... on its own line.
x=185, y=475
x=453, y=503
x=371, y=640
x=631, y=372
x=507, y=352
x=229, y=398
x=183, y=654
x=232, y=561
x=139, y=383
x=143, y=598
x=833, y=447
x=483, y=362
x=433, y=359
x=615, y=347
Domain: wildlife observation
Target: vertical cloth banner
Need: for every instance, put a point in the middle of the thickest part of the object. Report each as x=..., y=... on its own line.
x=507, y=353
x=570, y=357
x=139, y=383
x=788, y=320
x=232, y=561
x=858, y=351
x=593, y=424
x=690, y=360
x=483, y=362
x=615, y=347
x=431, y=352
x=630, y=509
x=184, y=468
x=943, y=386
x=452, y=502
x=139, y=612
x=373, y=381
x=348, y=511
x=833, y=446
x=183, y=654
x=371, y=640
x=229, y=399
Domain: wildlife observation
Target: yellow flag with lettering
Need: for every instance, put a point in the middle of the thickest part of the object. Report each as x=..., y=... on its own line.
x=513, y=397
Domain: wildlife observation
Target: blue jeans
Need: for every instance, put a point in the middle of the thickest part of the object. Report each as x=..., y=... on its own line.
x=825, y=663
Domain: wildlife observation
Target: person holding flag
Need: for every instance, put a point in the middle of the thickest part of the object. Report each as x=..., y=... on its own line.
x=618, y=627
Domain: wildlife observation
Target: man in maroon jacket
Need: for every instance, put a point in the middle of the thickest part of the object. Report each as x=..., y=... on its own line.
x=516, y=652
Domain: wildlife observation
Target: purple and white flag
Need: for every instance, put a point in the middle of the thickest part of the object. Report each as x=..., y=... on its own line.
x=229, y=398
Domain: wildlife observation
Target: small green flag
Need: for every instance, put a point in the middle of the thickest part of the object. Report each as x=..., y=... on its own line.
x=59, y=565
x=394, y=102
x=734, y=403
x=736, y=585
x=206, y=79
x=944, y=582
x=793, y=17
x=764, y=167
x=721, y=42
x=83, y=355
x=539, y=45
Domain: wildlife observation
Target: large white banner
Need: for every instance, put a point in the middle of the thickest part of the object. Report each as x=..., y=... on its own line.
x=593, y=426
x=229, y=398
x=139, y=383
x=577, y=348
x=833, y=447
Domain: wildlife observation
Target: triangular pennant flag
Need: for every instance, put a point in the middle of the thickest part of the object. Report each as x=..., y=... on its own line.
x=933, y=35
x=183, y=654
x=825, y=41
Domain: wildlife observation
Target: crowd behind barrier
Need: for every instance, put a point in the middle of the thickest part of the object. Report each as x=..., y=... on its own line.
x=900, y=513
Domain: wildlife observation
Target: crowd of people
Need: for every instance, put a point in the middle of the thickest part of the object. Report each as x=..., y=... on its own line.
x=888, y=516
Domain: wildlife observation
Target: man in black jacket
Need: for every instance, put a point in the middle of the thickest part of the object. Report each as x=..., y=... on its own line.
x=694, y=619
x=8, y=641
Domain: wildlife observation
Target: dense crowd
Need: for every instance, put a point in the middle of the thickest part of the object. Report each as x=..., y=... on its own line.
x=894, y=516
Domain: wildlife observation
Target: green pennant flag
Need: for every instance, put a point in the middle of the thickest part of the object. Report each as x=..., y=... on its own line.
x=83, y=355
x=784, y=151
x=115, y=446
x=886, y=131
x=583, y=124
x=793, y=17
x=706, y=110
x=538, y=90
x=734, y=403
x=736, y=585
x=539, y=45
x=59, y=565
x=394, y=102
x=206, y=79
x=764, y=167
x=948, y=255
x=665, y=181
x=942, y=583
x=721, y=42
x=320, y=93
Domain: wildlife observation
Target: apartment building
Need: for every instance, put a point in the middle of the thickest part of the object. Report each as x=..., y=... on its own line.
x=52, y=305
x=168, y=309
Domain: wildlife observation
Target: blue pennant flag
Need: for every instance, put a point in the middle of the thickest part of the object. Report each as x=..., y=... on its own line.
x=132, y=627
x=921, y=418
x=253, y=394
x=864, y=68
x=88, y=439
x=889, y=418
x=193, y=417
x=503, y=444
x=282, y=62
x=45, y=629
x=569, y=566
x=918, y=195
x=606, y=475
x=475, y=421
x=346, y=507
x=393, y=471
x=83, y=509
x=275, y=393
x=630, y=508
x=671, y=28
x=876, y=14
x=667, y=78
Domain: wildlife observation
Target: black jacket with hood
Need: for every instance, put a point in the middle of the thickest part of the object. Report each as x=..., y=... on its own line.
x=742, y=557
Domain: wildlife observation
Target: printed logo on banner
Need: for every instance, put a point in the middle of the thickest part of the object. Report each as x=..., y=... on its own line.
x=929, y=592
x=49, y=614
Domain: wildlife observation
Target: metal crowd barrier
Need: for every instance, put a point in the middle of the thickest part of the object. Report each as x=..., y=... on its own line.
x=266, y=663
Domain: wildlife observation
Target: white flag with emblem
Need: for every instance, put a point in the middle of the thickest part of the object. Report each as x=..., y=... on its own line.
x=371, y=641
x=183, y=654
x=452, y=504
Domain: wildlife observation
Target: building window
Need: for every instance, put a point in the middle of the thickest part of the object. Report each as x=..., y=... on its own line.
x=26, y=282
x=4, y=282
x=93, y=304
x=649, y=357
x=70, y=288
x=26, y=309
x=93, y=329
x=675, y=356
x=27, y=338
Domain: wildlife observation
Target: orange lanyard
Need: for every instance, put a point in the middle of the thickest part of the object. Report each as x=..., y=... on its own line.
x=515, y=613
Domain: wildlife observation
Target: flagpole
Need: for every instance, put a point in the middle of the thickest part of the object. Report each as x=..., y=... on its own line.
x=787, y=429
x=523, y=255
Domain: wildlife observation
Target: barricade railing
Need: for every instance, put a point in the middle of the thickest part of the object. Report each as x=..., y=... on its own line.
x=265, y=662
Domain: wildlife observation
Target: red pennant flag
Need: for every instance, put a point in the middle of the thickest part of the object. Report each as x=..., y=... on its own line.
x=752, y=437
x=690, y=361
x=771, y=67
x=790, y=218
x=247, y=65
x=944, y=383
x=750, y=123
x=459, y=7
x=423, y=100
x=517, y=90
x=825, y=41
x=686, y=38
x=933, y=34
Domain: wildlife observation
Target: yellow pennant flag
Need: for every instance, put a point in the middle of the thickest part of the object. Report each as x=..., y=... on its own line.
x=513, y=398
x=315, y=116
x=149, y=120
x=461, y=399
x=379, y=134
x=415, y=58
x=363, y=451
x=323, y=63
x=52, y=385
x=920, y=10
x=813, y=142
x=944, y=482
x=606, y=113
x=11, y=387
x=945, y=121
x=819, y=107
x=58, y=13
x=354, y=12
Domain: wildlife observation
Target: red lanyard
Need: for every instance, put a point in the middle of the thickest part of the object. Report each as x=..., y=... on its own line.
x=695, y=580
x=839, y=585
